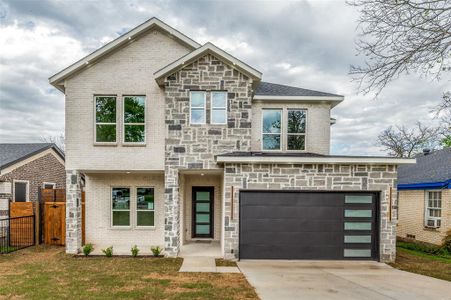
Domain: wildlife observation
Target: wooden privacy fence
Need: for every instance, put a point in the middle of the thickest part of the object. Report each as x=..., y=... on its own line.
x=55, y=223
x=21, y=224
x=53, y=203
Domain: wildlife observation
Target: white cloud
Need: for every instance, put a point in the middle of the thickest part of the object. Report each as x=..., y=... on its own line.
x=309, y=44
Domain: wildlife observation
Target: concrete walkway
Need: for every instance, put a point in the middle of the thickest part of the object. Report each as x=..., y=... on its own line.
x=204, y=264
x=350, y=280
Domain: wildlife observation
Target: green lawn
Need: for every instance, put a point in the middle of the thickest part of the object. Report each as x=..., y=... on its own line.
x=423, y=263
x=43, y=273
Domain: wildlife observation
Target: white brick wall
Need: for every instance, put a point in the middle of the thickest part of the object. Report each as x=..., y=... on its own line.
x=98, y=211
x=411, y=208
x=126, y=72
x=318, y=124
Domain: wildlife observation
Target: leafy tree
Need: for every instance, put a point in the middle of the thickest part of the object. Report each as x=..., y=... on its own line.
x=404, y=142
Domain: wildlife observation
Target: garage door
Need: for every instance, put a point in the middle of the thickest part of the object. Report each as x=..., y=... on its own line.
x=308, y=225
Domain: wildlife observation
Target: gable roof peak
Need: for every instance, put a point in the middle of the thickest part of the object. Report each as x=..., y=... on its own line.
x=57, y=80
x=207, y=48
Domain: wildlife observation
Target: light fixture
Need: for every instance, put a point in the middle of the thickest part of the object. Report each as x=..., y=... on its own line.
x=202, y=174
x=127, y=172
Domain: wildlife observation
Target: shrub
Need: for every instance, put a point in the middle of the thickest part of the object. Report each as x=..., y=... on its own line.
x=156, y=250
x=87, y=249
x=134, y=251
x=108, y=251
x=446, y=244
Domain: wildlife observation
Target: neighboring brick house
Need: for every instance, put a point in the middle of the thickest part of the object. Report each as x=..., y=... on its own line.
x=179, y=142
x=425, y=197
x=25, y=168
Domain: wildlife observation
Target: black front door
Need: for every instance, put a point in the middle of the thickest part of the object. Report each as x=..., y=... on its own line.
x=203, y=199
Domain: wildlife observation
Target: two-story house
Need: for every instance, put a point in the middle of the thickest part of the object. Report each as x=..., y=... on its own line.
x=179, y=142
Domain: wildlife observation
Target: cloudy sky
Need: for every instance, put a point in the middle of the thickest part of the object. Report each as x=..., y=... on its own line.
x=309, y=44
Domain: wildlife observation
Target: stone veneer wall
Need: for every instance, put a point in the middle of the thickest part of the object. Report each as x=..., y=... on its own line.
x=311, y=177
x=195, y=146
x=73, y=211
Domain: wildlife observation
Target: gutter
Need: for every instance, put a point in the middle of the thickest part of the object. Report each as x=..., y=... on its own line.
x=425, y=185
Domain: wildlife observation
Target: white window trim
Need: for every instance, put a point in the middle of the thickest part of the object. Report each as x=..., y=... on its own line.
x=426, y=208
x=204, y=108
x=212, y=108
x=136, y=207
x=129, y=210
x=123, y=122
x=103, y=123
x=304, y=134
x=48, y=183
x=27, y=194
x=281, y=130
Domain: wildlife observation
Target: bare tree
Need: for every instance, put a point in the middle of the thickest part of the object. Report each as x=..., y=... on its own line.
x=404, y=142
x=443, y=113
x=399, y=37
x=56, y=139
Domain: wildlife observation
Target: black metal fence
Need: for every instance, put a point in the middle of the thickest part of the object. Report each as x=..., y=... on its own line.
x=16, y=233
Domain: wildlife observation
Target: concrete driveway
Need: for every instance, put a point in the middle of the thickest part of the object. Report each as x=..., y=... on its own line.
x=339, y=280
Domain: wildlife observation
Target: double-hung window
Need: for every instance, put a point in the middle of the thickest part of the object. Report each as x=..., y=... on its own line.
x=296, y=129
x=145, y=206
x=433, y=209
x=134, y=119
x=105, y=131
x=197, y=107
x=272, y=129
x=120, y=206
x=218, y=108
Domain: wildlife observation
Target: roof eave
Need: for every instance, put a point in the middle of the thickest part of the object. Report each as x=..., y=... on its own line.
x=56, y=79
x=51, y=146
x=334, y=100
x=425, y=185
x=313, y=160
x=208, y=48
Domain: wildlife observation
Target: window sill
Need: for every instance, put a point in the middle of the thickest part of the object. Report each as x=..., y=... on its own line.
x=134, y=144
x=119, y=228
x=150, y=228
x=431, y=228
x=105, y=144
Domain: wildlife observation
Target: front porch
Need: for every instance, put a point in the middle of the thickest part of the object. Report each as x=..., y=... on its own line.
x=201, y=220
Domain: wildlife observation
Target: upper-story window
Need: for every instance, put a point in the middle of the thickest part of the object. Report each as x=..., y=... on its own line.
x=134, y=119
x=218, y=108
x=272, y=129
x=105, y=131
x=197, y=107
x=296, y=129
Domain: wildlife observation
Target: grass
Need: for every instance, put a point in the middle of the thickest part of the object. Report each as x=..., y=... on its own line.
x=423, y=263
x=46, y=272
x=225, y=263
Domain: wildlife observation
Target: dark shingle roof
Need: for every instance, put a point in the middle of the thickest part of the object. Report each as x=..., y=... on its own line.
x=273, y=89
x=434, y=167
x=13, y=153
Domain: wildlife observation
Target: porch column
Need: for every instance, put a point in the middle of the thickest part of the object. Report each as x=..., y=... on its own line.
x=73, y=211
x=172, y=212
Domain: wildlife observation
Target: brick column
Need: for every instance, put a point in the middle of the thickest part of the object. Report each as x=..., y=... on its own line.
x=172, y=212
x=73, y=212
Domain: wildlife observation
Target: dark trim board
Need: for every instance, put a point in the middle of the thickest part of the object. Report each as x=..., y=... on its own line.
x=260, y=229
x=211, y=190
